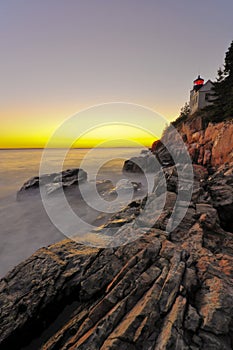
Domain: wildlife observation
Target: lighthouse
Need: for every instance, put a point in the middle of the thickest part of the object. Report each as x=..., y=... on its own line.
x=201, y=94
x=198, y=83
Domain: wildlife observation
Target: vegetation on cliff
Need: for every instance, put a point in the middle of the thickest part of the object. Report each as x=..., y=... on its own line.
x=223, y=103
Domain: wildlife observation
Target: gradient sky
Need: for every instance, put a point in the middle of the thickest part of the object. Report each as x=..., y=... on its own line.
x=58, y=57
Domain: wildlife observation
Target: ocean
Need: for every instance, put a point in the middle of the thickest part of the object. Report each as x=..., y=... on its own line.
x=25, y=226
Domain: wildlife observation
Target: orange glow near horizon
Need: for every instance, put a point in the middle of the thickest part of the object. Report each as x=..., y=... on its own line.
x=107, y=136
x=20, y=130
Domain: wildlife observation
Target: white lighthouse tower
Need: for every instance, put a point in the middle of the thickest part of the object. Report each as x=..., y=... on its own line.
x=201, y=95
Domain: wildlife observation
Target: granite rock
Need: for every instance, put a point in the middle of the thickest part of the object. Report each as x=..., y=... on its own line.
x=165, y=290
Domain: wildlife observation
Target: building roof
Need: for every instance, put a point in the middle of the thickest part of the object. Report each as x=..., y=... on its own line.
x=198, y=78
x=203, y=88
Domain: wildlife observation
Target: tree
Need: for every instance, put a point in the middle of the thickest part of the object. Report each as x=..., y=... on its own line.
x=184, y=113
x=223, y=89
x=185, y=110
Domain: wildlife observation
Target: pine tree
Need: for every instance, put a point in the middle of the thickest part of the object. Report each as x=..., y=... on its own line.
x=185, y=110
x=184, y=114
x=223, y=89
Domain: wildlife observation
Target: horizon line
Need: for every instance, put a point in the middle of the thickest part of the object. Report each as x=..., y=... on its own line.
x=39, y=148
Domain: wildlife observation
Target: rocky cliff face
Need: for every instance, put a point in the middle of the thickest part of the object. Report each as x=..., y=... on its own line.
x=166, y=290
x=210, y=145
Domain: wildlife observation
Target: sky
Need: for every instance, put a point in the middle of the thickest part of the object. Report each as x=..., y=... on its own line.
x=60, y=57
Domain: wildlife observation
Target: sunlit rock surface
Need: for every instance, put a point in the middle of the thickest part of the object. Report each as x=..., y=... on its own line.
x=165, y=290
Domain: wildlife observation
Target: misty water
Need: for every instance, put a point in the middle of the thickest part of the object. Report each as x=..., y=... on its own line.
x=25, y=225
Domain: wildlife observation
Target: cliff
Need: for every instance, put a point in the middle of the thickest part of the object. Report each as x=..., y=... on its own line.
x=210, y=145
x=169, y=289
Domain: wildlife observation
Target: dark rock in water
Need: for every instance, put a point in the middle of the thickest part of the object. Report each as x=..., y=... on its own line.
x=151, y=161
x=166, y=290
x=145, y=151
x=131, y=166
x=104, y=186
x=52, y=182
x=71, y=176
x=125, y=185
x=162, y=154
x=141, y=164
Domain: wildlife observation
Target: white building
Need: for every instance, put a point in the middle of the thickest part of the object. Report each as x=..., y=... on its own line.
x=201, y=95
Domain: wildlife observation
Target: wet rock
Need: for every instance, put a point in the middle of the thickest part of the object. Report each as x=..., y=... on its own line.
x=104, y=186
x=146, y=163
x=162, y=154
x=52, y=182
x=125, y=185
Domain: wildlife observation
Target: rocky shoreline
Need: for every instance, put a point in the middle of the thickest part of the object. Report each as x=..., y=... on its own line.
x=167, y=289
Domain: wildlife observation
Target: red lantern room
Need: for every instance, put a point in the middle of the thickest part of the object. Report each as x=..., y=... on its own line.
x=198, y=83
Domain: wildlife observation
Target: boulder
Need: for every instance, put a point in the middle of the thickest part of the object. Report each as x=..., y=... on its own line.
x=125, y=185
x=162, y=154
x=52, y=182
x=146, y=163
